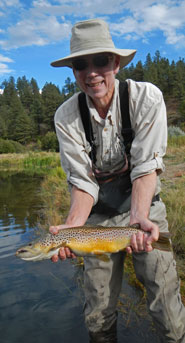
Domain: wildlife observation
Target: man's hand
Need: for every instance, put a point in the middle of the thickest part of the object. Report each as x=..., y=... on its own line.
x=142, y=241
x=63, y=252
x=143, y=190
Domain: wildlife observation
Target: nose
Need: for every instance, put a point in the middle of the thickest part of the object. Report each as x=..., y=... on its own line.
x=91, y=69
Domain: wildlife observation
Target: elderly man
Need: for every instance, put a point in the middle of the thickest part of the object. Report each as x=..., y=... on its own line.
x=112, y=155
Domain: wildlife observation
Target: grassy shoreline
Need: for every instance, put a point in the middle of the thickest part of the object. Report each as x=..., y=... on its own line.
x=29, y=160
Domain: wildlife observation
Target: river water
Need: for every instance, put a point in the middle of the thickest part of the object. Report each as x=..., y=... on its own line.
x=42, y=302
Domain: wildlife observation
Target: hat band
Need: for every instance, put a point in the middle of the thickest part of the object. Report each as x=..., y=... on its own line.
x=79, y=46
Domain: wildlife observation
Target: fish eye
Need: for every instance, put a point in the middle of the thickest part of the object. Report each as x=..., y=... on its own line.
x=30, y=244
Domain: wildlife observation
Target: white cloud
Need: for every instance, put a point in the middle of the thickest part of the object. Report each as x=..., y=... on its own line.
x=5, y=59
x=45, y=22
x=4, y=69
x=9, y=3
x=169, y=20
x=40, y=31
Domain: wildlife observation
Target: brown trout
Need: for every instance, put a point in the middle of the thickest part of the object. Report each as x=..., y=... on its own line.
x=86, y=241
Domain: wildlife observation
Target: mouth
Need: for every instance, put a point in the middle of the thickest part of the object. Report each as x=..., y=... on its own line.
x=94, y=84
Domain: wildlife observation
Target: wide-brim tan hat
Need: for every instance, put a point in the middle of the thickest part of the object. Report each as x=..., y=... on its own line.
x=92, y=37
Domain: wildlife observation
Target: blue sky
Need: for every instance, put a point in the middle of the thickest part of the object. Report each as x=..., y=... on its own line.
x=34, y=33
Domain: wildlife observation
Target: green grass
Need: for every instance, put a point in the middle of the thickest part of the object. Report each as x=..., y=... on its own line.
x=173, y=186
x=176, y=141
x=56, y=198
x=40, y=162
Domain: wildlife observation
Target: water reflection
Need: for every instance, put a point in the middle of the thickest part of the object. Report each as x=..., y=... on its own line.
x=19, y=200
x=19, y=205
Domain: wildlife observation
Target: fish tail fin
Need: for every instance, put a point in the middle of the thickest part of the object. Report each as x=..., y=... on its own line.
x=164, y=242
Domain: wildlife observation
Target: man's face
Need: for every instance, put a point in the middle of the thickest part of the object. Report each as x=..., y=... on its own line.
x=95, y=74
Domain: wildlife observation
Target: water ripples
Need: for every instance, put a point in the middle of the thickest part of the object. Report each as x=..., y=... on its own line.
x=12, y=235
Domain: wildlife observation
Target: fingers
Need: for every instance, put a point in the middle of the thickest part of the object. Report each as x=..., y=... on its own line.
x=154, y=234
x=66, y=253
x=63, y=254
x=129, y=250
x=153, y=237
x=142, y=241
x=137, y=242
x=54, y=229
x=54, y=258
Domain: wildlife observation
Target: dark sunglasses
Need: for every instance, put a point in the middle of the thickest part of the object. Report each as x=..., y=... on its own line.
x=99, y=61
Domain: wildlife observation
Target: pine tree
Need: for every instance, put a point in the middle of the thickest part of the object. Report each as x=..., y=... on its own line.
x=171, y=79
x=24, y=129
x=150, y=71
x=25, y=92
x=37, y=106
x=52, y=99
x=69, y=88
x=180, y=79
x=138, y=73
x=12, y=102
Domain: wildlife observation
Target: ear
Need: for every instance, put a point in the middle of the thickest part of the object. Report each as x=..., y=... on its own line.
x=116, y=64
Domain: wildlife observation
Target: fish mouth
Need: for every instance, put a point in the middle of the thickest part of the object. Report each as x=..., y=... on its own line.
x=21, y=251
x=26, y=255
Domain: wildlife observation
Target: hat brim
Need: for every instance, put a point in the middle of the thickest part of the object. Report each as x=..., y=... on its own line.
x=126, y=56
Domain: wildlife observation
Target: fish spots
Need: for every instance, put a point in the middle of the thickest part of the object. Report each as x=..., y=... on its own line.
x=90, y=240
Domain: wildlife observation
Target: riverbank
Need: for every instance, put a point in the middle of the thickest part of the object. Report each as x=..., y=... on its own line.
x=30, y=162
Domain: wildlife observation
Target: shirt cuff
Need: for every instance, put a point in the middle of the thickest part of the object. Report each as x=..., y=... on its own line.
x=90, y=188
x=148, y=167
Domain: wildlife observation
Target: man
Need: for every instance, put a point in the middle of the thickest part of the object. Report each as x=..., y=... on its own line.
x=95, y=62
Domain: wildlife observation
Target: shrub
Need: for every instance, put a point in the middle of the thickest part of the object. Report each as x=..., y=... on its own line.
x=176, y=137
x=8, y=146
x=49, y=142
x=175, y=131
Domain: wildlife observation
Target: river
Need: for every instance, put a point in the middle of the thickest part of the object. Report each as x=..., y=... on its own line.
x=42, y=302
